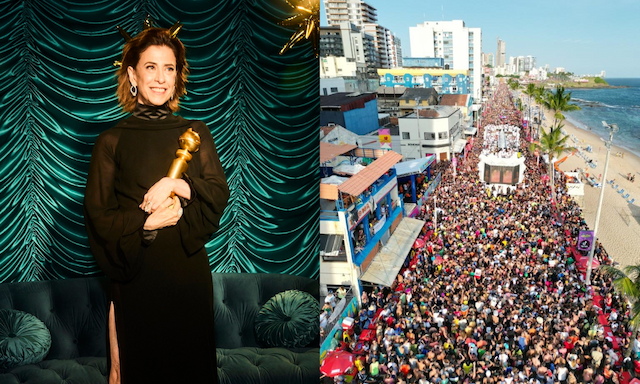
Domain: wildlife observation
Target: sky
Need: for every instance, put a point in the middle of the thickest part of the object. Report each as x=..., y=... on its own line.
x=584, y=37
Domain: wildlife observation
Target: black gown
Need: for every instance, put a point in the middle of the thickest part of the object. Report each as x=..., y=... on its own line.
x=161, y=287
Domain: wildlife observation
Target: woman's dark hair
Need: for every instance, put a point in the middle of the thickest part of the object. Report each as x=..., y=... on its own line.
x=131, y=55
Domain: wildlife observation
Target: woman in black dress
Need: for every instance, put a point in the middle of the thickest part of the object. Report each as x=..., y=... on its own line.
x=151, y=245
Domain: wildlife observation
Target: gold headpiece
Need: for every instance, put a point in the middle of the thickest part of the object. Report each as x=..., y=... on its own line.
x=307, y=19
x=146, y=24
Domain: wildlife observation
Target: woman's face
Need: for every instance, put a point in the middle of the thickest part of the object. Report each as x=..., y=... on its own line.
x=154, y=75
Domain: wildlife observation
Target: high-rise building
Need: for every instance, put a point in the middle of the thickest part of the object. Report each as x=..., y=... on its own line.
x=354, y=11
x=345, y=40
x=459, y=46
x=487, y=59
x=501, y=54
x=388, y=48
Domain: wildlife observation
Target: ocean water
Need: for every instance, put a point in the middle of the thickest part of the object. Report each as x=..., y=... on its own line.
x=618, y=105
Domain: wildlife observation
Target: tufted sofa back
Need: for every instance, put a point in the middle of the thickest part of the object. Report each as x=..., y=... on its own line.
x=238, y=298
x=75, y=310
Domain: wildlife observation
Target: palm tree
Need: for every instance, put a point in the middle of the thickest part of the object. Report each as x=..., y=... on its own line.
x=540, y=95
x=513, y=84
x=559, y=102
x=553, y=144
x=627, y=282
x=530, y=91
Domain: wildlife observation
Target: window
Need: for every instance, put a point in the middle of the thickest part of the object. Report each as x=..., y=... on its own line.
x=324, y=91
x=405, y=136
x=429, y=136
x=442, y=135
x=334, y=89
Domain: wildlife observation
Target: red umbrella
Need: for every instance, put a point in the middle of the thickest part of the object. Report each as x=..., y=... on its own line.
x=438, y=260
x=336, y=363
x=584, y=262
x=419, y=243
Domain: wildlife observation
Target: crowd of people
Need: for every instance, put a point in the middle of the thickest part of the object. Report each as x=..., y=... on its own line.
x=495, y=296
x=501, y=140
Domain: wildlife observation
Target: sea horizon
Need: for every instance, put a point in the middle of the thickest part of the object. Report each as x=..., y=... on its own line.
x=613, y=105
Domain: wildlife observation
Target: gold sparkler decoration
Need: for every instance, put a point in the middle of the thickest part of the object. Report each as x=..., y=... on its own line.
x=308, y=21
x=146, y=24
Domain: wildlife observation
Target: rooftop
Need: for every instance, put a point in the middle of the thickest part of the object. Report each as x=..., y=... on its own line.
x=341, y=99
x=363, y=179
x=433, y=112
x=423, y=93
x=331, y=151
x=455, y=100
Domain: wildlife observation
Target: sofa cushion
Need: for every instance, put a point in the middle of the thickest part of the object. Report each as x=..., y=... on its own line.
x=267, y=366
x=238, y=298
x=80, y=370
x=24, y=339
x=288, y=319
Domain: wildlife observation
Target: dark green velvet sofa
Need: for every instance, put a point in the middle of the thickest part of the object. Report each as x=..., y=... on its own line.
x=74, y=311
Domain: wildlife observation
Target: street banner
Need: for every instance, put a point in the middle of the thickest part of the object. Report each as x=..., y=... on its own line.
x=385, y=138
x=585, y=240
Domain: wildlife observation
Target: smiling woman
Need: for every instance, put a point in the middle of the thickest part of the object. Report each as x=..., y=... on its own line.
x=155, y=75
x=147, y=231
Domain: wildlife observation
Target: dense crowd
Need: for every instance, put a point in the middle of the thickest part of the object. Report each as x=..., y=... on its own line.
x=495, y=295
x=501, y=140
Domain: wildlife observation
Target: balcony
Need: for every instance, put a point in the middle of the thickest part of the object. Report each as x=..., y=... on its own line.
x=362, y=253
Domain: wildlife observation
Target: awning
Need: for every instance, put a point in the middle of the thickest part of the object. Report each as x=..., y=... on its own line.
x=363, y=179
x=330, y=151
x=414, y=167
x=385, y=265
x=470, y=131
x=458, y=146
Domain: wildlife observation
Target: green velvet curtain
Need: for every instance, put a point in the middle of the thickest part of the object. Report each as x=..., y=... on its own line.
x=57, y=93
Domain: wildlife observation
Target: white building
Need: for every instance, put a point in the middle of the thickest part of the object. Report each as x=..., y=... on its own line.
x=332, y=66
x=346, y=40
x=461, y=48
x=437, y=130
x=353, y=11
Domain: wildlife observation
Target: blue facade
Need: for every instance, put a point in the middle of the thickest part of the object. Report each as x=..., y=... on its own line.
x=461, y=82
x=362, y=120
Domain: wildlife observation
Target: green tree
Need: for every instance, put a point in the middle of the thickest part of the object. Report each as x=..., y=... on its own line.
x=513, y=84
x=626, y=281
x=558, y=102
x=530, y=91
x=539, y=96
x=553, y=143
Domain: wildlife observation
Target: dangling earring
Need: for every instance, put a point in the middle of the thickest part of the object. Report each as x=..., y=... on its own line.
x=133, y=90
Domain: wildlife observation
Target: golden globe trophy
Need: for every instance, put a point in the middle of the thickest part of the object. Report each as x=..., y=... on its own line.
x=189, y=143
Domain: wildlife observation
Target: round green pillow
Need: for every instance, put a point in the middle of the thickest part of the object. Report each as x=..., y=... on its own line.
x=24, y=339
x=289, y=319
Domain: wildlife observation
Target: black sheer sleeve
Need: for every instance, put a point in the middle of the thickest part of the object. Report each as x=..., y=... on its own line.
x=210, y=193
x=115, y=233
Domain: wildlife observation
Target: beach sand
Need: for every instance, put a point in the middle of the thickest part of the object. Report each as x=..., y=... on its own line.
x=619, y=228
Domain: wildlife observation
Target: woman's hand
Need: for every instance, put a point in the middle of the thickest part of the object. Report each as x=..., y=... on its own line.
x=162, y=190
x=167, y=215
